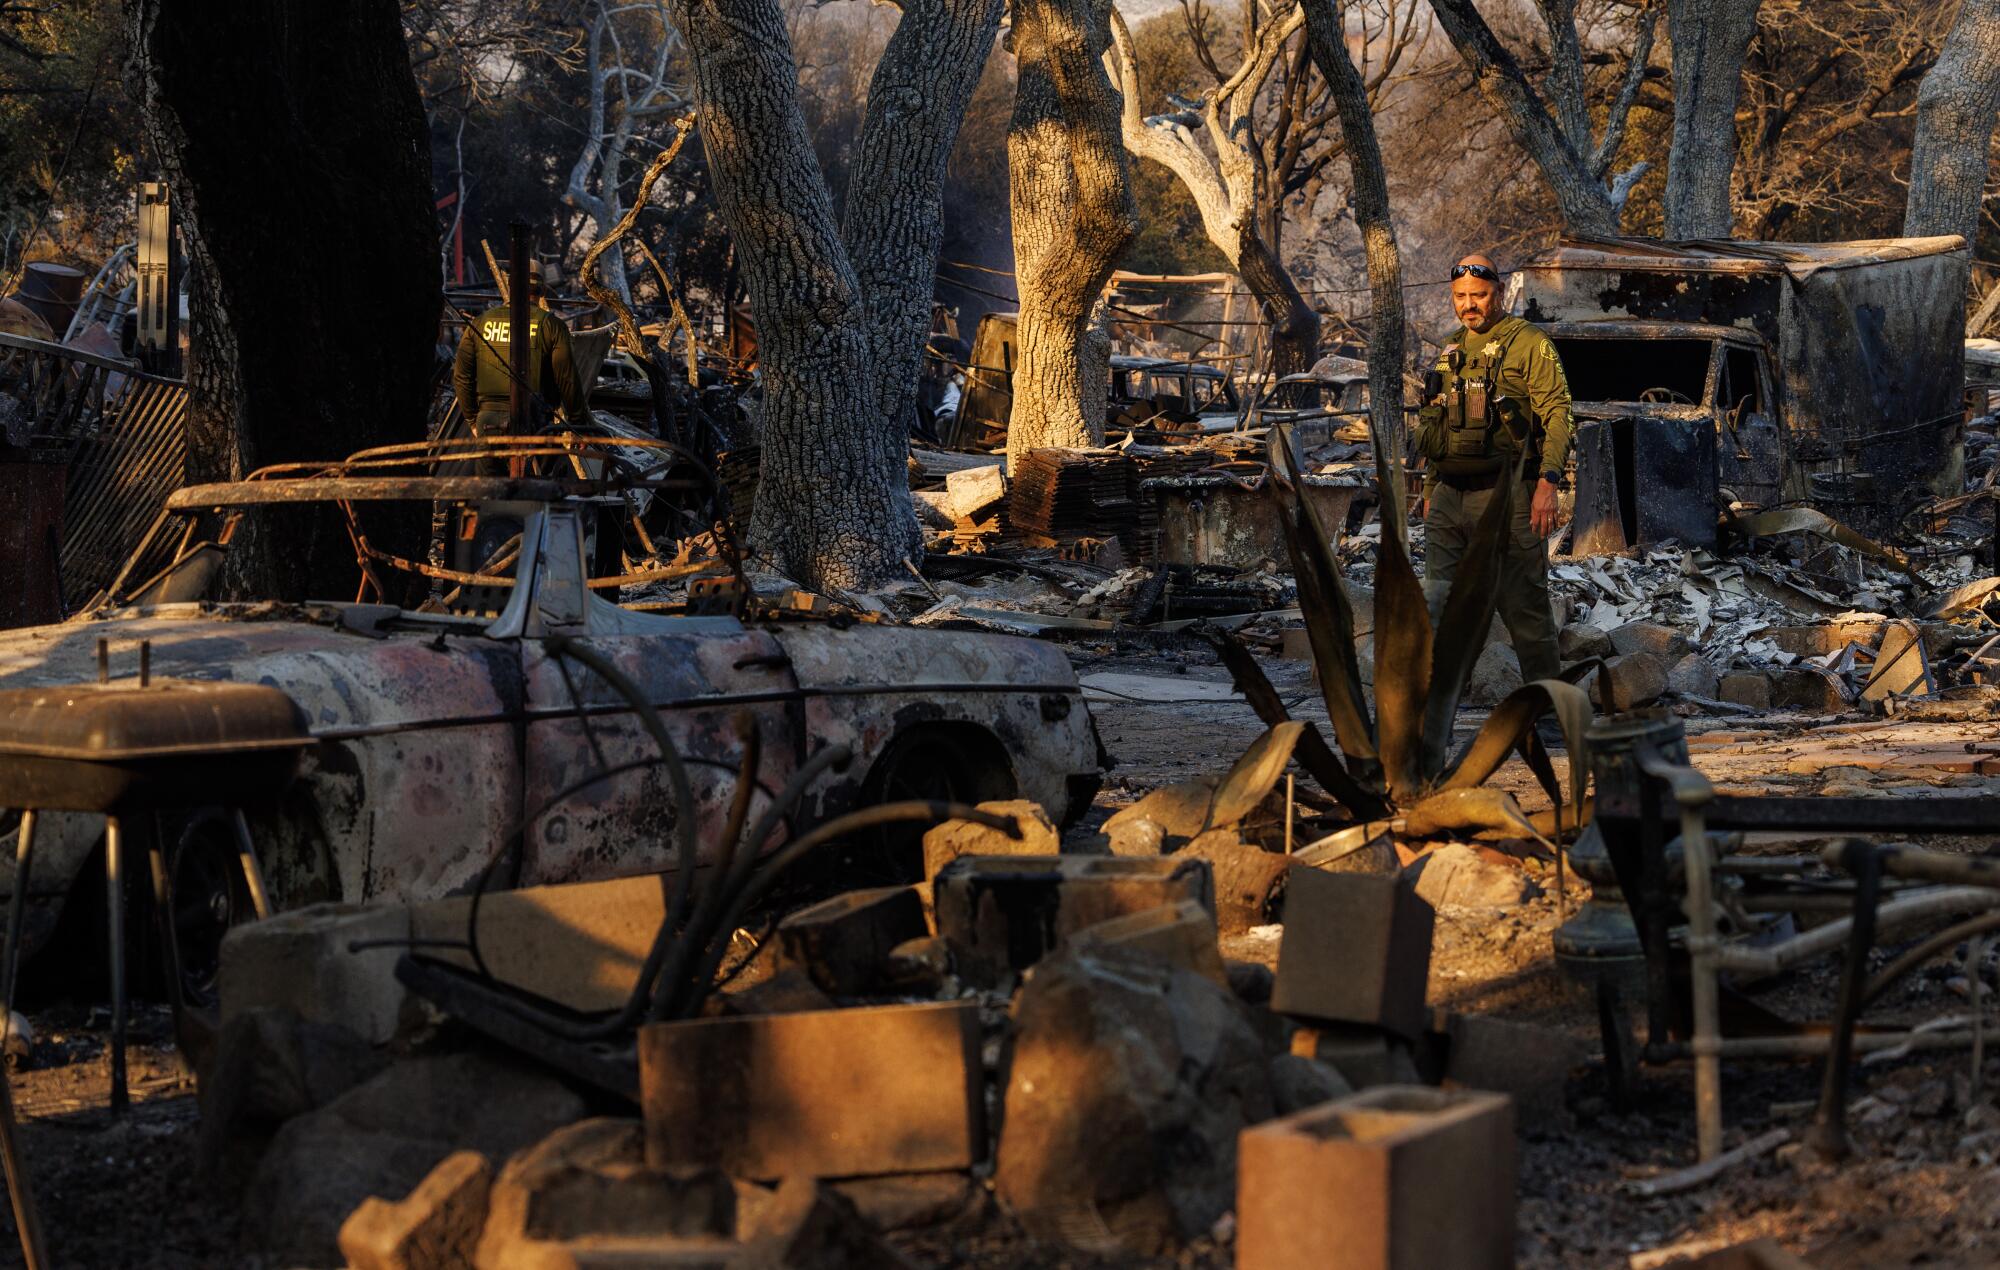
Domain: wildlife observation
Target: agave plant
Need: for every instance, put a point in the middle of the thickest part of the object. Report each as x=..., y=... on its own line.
x=1399, y=762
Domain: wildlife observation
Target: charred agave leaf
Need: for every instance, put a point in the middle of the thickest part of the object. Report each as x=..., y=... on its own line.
x=1329, y=616
x=1402, y=668
x=1313, y=753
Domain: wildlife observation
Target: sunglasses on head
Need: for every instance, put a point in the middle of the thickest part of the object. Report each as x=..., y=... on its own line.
x=1477, y=271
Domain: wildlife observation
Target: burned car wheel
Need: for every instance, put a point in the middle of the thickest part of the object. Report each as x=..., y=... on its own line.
x=206, y=896
x=940, y=762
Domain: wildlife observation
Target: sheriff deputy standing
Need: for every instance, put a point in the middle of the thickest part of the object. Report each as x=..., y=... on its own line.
x=1496, y=408
x=482, y=375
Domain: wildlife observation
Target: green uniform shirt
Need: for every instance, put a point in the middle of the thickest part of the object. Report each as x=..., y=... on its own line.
x=481, y=377
x=1529, y=371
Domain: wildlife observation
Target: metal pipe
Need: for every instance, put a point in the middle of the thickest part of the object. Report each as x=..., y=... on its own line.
x=114, y=907
x=1762, y=963
x=253, y=876
x=1828, y=1134
x=1692, y=791
x=1911, y=958
x=1812, y=1045
x=517, y=330
x=17, y=910
x=1931, y=866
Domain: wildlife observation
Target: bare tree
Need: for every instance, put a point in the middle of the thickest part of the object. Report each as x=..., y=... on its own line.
x=1073, y=214
x=841, y=316
x=1326, y=35
x=314, y=303
x=1709, y=38
x=623, y=96
x=1827, y=99
x=1554, y=131
x=1956, y=105
x=1227, y=180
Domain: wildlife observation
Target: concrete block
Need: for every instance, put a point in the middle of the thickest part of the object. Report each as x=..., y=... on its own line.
x=299, y=961
x=1180, y=934
x=1821, y=638
x=1364, y=1056
x=1649, y=637
x=955, y=838
x=1003, y=914
x=834, y=1093
x=580, y=944
x=585, y=1192
x=1810, y=689
x=1356, y=949
x=436, y=1228
x=1529, y=1064
x=844, y=943
x=974, y=491
x=1632, y=680
x=1745, y=688
x=1397, y=1178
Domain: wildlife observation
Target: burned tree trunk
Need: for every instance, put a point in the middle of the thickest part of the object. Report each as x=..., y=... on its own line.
x=833, y=502
x=1709, y=39
x=315, y=294
x=839, y=334
x=893, y=223
x=1326, y=33
x=1955, y=115
x=1073, y=214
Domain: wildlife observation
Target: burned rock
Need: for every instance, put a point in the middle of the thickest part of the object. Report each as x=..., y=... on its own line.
x=1694, y=676
x=269, y=1066
x=1745, y=688
x=1649, y=637
x=1631, y=680
x=1456, y=876
x=1579, y=641
x=387, y=1134
x=955, y=838
x=1298, y=1082
x=1494, y=675
x=1364, y=1056
x=1182, y=935
x=1249, y=881
x=1128, y=1085
x=807, y=1225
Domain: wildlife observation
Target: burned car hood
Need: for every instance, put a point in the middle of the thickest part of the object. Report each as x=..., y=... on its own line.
x=339, y=676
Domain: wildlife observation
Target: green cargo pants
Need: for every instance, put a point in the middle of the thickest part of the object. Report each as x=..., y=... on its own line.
x=1524, y=574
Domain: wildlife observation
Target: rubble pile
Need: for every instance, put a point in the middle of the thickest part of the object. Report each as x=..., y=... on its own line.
x=1043, y=1042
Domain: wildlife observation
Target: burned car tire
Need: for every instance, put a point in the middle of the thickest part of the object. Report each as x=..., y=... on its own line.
x=933, y=762
x=205, y=897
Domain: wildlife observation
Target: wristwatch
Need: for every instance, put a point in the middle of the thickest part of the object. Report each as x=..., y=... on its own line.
x=1553, y=478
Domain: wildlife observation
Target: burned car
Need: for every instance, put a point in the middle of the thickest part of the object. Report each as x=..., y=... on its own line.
x=1828, y=373
x=473, y=730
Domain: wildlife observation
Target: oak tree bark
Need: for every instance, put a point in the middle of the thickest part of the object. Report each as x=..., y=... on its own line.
x=1326, y=34
x=840, y=320
x=294, y=142
x=1956, y=105
x=1555, y=133
x=1070, y=190
x=1709, y=39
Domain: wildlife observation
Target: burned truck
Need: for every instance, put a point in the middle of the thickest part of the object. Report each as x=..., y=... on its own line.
x=1713, y=373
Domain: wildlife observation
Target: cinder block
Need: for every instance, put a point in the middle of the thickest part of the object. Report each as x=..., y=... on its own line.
x=437, y=1226
x=1180, y=934
x=1810, y=689
x=844, y=943
x=831, y=1093
x=580, y=944
x=1002, y=914
x=1397, y=1178
x=1746, y=688
x=1356, y=949
x=300, y=961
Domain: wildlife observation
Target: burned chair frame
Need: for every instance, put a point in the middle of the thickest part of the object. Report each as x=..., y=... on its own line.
x=1645, y=786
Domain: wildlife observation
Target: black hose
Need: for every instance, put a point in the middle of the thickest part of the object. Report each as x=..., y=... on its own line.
x=839, y=826
x=1930, y=948
x=744, y=856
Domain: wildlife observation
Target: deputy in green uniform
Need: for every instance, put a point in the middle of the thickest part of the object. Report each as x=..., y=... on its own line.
x=1496, y=408
x=483, y=374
